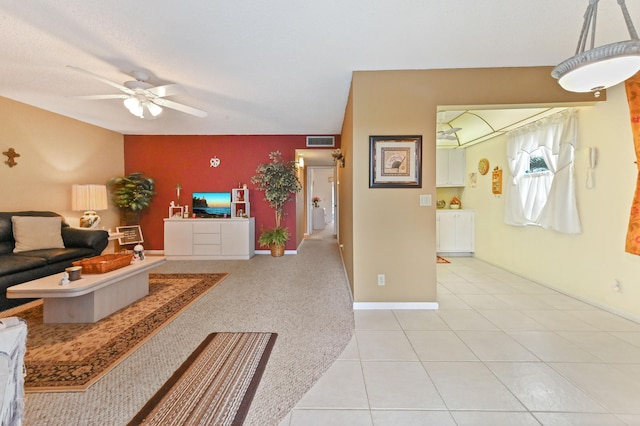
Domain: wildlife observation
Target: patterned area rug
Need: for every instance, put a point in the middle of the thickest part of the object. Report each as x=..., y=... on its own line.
x=442, y=260
x=71, y=357
x=214, y=386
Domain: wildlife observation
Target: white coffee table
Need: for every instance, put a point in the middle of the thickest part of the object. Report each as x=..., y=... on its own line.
x=92, y=297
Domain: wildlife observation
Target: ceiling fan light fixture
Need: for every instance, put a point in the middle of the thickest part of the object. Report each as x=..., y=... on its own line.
x=134, y=106
x=600, y=67
x=154, y=109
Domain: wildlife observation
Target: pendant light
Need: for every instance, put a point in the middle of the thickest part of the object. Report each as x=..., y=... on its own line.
x=603, y=66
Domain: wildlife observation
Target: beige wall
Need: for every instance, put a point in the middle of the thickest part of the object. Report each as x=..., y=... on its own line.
x=55, y=152
x=345, y=192
x=582, y=265
x=391, y=234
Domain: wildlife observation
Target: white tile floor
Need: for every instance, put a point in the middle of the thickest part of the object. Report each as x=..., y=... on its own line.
x=501, y=350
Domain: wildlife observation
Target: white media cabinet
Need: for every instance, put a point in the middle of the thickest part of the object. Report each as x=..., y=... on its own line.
x=209, y=239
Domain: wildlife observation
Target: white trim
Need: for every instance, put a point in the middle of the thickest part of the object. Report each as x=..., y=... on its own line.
x=395, y=305
x=269, y=252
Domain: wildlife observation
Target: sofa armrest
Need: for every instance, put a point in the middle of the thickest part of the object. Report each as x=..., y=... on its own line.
x=91, y=238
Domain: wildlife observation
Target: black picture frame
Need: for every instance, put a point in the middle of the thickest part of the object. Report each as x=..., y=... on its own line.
x=395, y=161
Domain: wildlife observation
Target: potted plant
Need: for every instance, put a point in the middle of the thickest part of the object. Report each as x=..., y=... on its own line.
x=279, y=182
x=131, y=194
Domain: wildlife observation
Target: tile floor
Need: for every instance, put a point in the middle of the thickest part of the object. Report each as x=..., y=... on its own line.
x=501, y=350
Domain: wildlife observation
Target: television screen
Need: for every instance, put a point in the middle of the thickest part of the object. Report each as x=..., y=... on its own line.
x=211, y=204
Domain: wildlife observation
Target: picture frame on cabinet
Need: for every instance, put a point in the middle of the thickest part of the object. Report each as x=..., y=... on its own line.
x=131, y=234
x=395, y=162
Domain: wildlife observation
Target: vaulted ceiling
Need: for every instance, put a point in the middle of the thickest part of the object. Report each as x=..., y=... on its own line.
x=257, y=67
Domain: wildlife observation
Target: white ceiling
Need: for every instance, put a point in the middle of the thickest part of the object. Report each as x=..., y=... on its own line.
x=267, y=67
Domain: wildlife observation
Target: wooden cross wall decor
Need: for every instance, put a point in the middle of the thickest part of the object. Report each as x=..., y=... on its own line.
x=11, y=155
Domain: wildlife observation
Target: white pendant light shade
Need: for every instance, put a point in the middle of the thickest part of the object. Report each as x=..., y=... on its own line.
x=600, y=67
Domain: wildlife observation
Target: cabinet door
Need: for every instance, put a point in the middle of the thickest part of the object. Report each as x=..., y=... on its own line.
x=457, y=167
x=446, y=234
x=442, y=167
x=178, y=238
x=235, y=238
x=465, y=240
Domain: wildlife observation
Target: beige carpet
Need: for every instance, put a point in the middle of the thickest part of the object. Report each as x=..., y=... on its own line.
x=72, y=357
x=304, y=298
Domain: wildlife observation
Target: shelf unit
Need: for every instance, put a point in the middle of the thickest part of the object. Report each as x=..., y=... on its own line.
x=240, y=205
x=211, y=239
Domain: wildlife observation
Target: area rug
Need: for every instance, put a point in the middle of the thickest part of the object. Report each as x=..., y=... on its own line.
x=214, y=386
x=71, y=357
x=442, y=260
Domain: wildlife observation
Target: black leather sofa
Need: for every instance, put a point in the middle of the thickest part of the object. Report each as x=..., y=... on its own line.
x=16, y=268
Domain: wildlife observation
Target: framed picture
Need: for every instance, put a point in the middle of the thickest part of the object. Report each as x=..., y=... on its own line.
x=395, y=162
x=131, y=234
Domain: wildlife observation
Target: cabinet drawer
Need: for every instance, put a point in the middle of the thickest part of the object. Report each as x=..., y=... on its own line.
x=206, y=227
x=206, y=238
x=204, y=249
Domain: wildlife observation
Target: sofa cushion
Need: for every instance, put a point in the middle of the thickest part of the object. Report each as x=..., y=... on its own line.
x=56, y=255
x=10, y=263
x=33, y=233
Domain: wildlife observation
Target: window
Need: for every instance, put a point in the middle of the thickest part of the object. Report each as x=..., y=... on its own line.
x=537, y=164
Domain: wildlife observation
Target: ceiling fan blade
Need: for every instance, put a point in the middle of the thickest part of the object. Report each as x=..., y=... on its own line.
x=102, y=79
x=166, y=90
x=92, y=97
x=180, y=107
x=451, y=130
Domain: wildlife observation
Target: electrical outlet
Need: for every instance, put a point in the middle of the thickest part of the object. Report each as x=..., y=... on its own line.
x=380, y=279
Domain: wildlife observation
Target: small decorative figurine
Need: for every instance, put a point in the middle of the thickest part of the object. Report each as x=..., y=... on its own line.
x=65, y=278
x=138, y=252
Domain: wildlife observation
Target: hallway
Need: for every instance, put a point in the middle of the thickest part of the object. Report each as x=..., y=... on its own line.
x=501, y=350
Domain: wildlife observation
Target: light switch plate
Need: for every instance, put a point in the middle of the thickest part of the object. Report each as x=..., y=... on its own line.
x=425, y=200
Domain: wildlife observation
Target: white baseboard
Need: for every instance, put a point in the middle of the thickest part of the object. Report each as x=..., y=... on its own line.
x=395, y=305
x=269, y=252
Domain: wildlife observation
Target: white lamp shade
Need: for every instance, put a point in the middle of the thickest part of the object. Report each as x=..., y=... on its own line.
x=89, y=197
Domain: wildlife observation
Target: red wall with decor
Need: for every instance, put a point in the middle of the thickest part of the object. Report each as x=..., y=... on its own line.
x=185, y=160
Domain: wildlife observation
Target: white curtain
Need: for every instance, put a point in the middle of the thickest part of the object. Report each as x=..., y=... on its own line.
x=545, y=199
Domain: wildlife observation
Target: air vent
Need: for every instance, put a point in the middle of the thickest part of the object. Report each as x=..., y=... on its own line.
x=322, y=141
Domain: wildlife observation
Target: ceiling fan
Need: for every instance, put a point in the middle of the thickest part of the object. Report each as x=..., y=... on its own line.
x=449, y=134
x=140, y=97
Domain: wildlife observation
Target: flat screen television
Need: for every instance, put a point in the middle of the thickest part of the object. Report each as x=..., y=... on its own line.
x=211, y=204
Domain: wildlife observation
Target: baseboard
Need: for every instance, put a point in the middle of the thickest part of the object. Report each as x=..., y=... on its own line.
x=269, y=252
x=395, y=305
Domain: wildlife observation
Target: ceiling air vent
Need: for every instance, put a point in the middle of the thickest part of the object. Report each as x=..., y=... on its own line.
x=321, y=141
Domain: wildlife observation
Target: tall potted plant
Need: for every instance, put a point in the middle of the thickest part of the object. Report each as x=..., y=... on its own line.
x=132, y=194
x=279, y=182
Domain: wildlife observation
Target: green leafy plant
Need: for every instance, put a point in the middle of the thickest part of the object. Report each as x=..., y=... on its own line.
x=132, y=194
x=279, y=181
x=276, y=236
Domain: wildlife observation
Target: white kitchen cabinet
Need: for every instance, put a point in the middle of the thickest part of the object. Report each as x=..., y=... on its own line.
x=455, y=231
x=451, y=167
x=209, y=238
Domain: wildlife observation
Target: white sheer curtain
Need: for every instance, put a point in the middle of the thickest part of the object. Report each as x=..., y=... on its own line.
x=547, y=198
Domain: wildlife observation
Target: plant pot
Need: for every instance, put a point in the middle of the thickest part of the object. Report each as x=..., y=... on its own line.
x=277, y=250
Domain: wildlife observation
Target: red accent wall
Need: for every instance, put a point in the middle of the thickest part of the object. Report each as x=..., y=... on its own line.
x=185, y=160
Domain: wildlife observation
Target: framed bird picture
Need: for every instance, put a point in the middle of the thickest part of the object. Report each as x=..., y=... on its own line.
x=395, y=162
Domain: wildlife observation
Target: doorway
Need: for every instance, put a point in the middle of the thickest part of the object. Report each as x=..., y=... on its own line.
x=321, y=199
